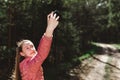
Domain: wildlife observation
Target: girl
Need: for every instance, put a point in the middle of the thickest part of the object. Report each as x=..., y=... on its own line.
x=30, y=65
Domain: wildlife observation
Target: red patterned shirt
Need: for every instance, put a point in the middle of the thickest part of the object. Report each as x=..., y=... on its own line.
x=32, y=69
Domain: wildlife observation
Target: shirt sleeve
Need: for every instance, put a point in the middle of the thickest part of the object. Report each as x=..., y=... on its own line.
x=43, y=51
x=44, y=48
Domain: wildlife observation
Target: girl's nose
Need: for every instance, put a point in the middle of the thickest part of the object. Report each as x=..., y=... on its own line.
x=33, y=51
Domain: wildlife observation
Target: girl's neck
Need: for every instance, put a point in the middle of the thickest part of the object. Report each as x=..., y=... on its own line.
x=34, y=56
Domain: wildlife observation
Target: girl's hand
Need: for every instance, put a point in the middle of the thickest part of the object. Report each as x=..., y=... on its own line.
x=52, y=22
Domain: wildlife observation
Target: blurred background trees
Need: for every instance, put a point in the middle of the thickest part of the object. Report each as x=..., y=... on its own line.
x=81, y=22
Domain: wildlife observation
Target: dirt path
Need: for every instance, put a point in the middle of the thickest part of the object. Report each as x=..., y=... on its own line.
x=98, y=72
x=114, y=72
x=102, y=67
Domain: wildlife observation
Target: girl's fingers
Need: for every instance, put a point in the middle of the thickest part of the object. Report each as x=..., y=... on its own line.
x=49, y=15
x=52, y=15
x=57, y=17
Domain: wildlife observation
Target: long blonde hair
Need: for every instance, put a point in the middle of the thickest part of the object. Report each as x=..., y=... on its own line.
x=17, y=61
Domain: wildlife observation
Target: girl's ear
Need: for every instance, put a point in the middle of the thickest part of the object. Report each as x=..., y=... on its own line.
x=22, y=54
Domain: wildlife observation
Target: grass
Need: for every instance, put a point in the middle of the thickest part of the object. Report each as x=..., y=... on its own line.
x=116, y=46
x=85, y=55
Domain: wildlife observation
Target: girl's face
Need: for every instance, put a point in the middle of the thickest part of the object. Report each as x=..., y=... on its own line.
x=28, y=49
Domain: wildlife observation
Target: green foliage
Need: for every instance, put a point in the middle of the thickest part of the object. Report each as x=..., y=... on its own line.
x=6, y=53
x=84, y=56
x=117, y=46
x=7, y=61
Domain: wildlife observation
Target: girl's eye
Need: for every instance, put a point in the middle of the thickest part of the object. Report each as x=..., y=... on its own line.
x=27, y=48
x=31, y=46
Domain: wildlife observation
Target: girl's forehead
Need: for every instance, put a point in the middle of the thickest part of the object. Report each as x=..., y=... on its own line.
x=27, y=43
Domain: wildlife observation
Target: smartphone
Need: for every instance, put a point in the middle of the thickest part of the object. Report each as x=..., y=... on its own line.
x=56, y=12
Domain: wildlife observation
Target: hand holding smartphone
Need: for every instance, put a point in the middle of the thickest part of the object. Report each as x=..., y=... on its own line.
x=57, y=13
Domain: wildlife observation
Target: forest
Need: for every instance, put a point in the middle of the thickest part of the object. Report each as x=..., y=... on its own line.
x=81, y=23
